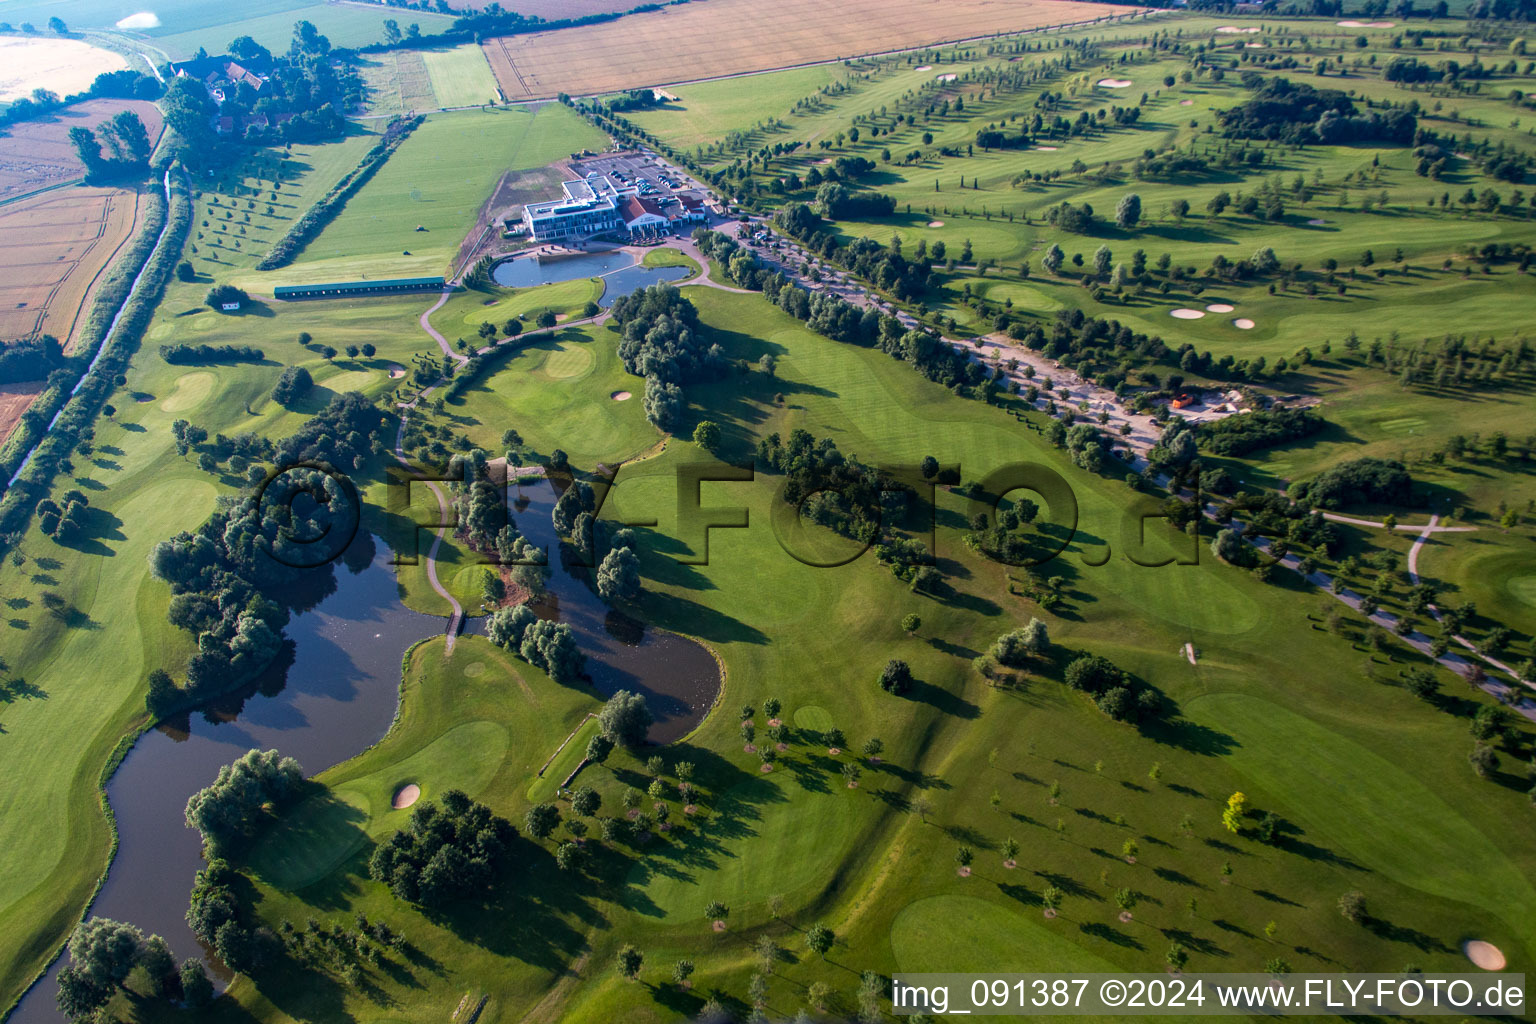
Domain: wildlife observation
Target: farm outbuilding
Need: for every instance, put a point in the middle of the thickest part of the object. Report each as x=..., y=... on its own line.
x=341, y=289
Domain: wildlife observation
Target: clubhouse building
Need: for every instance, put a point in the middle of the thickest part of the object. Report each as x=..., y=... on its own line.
x=595, y=206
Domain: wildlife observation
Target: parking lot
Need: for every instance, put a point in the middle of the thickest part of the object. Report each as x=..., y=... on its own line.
x=657, y=180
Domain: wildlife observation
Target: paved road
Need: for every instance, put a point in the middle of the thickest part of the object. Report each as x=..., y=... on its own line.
x=1509, y=693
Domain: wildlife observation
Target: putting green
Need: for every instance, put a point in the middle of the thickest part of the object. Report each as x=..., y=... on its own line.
x=317, y=836
x=465, y=757
x=955, y=933
x=1523, y=589
x=323, y=831
x=813, y=718
x=764, y=828
x=192, y=389
x=350, y=380
x=568, y=361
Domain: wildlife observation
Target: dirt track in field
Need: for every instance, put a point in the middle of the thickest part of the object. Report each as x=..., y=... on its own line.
x=54, y=247
x=724, y=37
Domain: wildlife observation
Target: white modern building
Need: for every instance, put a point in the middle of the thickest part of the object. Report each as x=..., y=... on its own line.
x=594, y=205
x=589, y=207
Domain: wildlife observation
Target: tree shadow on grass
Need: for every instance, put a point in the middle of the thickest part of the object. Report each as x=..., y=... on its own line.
x=1194, y=943
x=1403, y=933
x=690, y=618
x=736, y=816
x=1176, y=877
x=942, y=700
x=532, y=914
x=1103, y=931
x=1070, y=886
x=1190, y=736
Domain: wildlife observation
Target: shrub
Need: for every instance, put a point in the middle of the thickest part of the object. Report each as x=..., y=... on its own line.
x=896, y=677
x=292, y=384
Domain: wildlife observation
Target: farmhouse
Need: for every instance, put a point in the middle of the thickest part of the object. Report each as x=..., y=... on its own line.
x=340, y=289
x=222, y=75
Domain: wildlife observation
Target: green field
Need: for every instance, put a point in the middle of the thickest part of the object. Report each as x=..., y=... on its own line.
x=1296, y=707
x=186, y=25
x=827, y=849
x=242, y=212
x=705, y=112
x=461, y=77
x=436, y=181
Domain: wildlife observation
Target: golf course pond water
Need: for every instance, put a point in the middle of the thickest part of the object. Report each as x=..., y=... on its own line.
x=678, y=677
x=329, y=696
x=620, y=272
x=334, y=693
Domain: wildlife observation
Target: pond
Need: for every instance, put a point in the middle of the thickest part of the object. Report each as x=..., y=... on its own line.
x=678, y=677
x=330, y=698
x=333, y=695
x=620, y=272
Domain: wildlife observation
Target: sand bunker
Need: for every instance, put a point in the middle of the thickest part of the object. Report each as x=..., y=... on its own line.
x=1046, y=149
x=1219, y=307
x=935, y=223
x=144, y=19
x=1253, y=46
x=396, y=372
x=1186, y=314
x=1365, y=24
x=948, y=78
x=621, y=396
x=1243, y=324
x=405, y=796
x=1317, y=222
x=1231, y=29
x=1186, y=103
x=925, y=67
x=1115, y=83
x=1484, y=954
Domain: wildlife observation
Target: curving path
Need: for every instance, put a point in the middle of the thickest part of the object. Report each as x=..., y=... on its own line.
x=455, y=620
x=426, y=325
x=1424, y=531
x=1511, y=694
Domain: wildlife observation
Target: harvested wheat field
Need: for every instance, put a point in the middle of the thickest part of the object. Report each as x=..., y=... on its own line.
x=724, y=37
x=62, y=65
x=555, y=10
x=53, y=248
x=14, y=400
x=36, y=154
